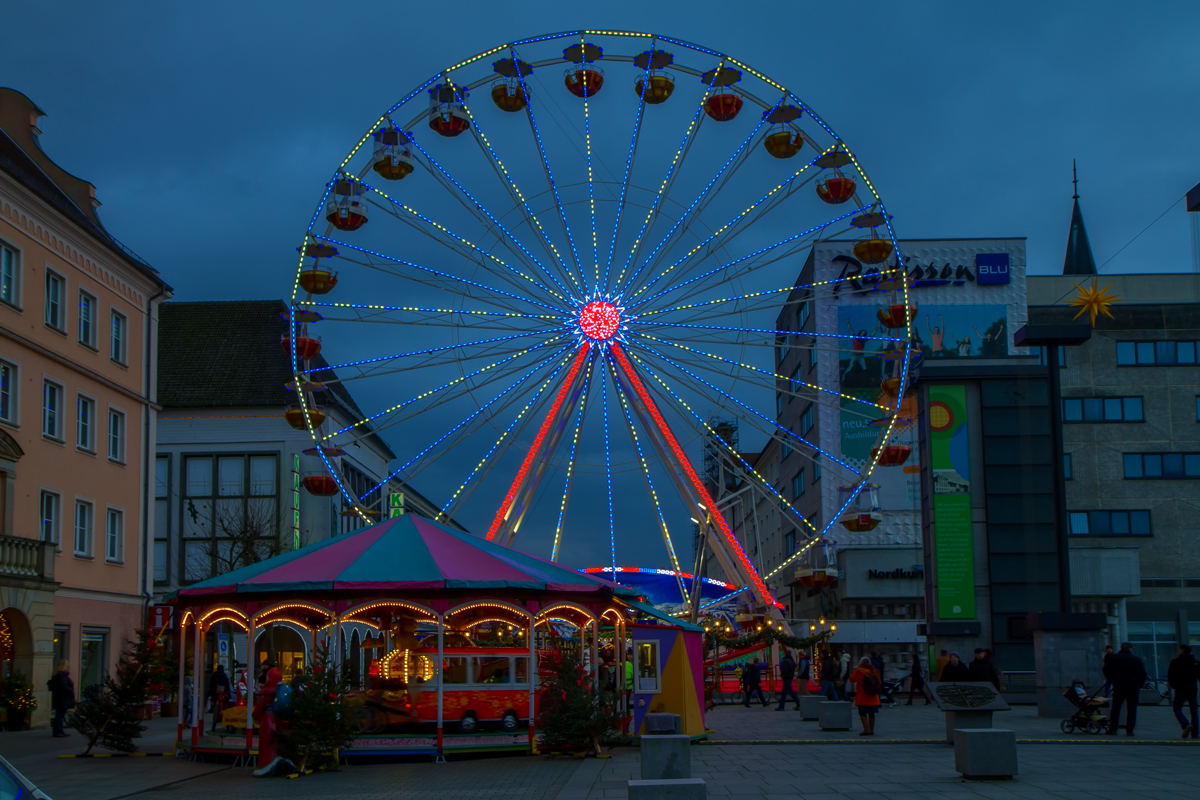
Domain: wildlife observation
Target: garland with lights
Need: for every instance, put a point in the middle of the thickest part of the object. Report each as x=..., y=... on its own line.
x=767, y=637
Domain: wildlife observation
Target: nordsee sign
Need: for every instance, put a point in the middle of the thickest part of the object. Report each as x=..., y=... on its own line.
x=893, y=574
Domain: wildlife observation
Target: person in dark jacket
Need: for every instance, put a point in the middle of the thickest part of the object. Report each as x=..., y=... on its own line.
x=1106, y=689
x=1182, y=674
x=877, y=663
x=955, y=670
x=787, y=671
x=916, y=681
x=803, y=672
x=983, y=669
x=1127, y=674
x=62, y=696
x=829, y=671
x=218, y=692
x=753, y=680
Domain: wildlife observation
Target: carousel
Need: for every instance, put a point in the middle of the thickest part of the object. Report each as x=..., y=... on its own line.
x=440, y=632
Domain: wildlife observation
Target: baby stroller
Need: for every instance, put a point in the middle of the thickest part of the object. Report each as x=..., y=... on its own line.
x=1087, y=716
x=888, y=692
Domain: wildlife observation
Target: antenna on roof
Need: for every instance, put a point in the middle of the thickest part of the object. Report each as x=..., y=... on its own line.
x=1074, y=180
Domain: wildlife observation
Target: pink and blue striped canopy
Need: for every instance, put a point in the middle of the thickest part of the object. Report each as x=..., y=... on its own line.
x=403, y=553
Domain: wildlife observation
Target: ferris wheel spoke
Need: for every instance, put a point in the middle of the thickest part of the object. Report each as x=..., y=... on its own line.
x=774, y=376
x=776, y=331
x=460, y=425
x=502, y=444
x=662, y=520
x=665, y=187
x=729, y=226
x=665, y=392
x=562, y=506
x=426, y=351
x=587, y=138
x=461, y=245
x=518, y=196
x=447, y=385
x=453, y=279
x=452, y=312
x=637, y=131
x=798, y=237
x=562, y=214
x=487, y=217
x=700, y=202
x=744, y=406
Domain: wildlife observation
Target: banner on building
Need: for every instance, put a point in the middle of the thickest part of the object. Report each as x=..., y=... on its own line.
x=954, y=553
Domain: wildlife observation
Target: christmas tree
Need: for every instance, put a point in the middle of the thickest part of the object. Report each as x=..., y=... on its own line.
x=319, y=724
x=573, y=713
x=109, y=714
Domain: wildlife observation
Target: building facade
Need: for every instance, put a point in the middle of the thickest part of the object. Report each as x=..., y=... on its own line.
x=230, y=472
x=1131, y=440
x=78, y=315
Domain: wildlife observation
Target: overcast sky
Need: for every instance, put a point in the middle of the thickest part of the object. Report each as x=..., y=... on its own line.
x=209, y=129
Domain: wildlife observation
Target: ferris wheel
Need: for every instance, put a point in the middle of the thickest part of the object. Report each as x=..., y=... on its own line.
x=546, y=270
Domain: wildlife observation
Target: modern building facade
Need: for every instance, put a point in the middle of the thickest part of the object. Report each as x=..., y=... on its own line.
x=78, y=317
x=1131, y=440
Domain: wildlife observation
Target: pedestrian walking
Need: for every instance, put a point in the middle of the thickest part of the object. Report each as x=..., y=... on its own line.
x=983, y=669
x=916, y=681
x=1106, y=689
x=1182, y=674
x=803, y=672
x=868, y=683
x=877, y=663
x=1127, y=674
x=62, y=696
x=787, y=671
x=955, y=670
x=843, y=675
x=942, y=660
x=752, y=678
x=829, y=669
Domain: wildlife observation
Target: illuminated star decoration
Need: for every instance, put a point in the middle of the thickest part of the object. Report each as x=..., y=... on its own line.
x=1094, y=301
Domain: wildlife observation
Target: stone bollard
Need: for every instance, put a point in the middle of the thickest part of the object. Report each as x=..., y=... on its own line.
x=835, y=716
x=665, y=757
x=983, y=753
x=658, y=724
x=678, y=789
x=810, y=706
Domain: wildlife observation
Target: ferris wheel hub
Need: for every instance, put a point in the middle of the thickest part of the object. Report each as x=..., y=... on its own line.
x=599, y=320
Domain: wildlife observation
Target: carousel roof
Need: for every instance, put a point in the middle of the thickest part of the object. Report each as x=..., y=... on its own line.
x=403, y=553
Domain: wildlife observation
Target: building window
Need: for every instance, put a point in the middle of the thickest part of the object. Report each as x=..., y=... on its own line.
x=778, y=404
x=806, y=420
x=785, y=450
x=815, y=522
x=51, y=506
x=114, y=536
x=816, y=459
x=781, y=348
x=56, y=286
x=1068, y=474
x=1162, y=354
x=1110, y=523
x=1154, y=642
x=789, y=543
x=1062, y=357
x=93, y=658
x=812, y=356
x=52, y=423
x=361, y=485
x=230, y=512
x=798, y=484
x=84, y=523
x=802, y=313
x=162, y=518
x=87, y=319
x=10, y=275
x=1102, y=409
x=1161, y=466
x=796, y=382
x=119, y=331
x=116, y=436
x=8, y=392
x=85, y=429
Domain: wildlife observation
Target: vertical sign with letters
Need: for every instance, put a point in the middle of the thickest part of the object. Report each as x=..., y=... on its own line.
x=954, y=551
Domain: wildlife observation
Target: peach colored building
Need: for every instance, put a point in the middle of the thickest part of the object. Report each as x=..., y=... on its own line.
x=77, y=416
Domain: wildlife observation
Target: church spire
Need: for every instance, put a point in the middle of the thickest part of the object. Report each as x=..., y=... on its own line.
x=1079, y=260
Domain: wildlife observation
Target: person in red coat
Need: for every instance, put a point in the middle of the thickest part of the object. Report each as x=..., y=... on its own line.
x=264, y=717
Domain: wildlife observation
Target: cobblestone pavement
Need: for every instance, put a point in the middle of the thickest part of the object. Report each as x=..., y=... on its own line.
x=845, y=767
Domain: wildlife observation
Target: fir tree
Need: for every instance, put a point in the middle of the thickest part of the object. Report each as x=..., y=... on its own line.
x=109, y=714
x=573, y=713
x=319, y=723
